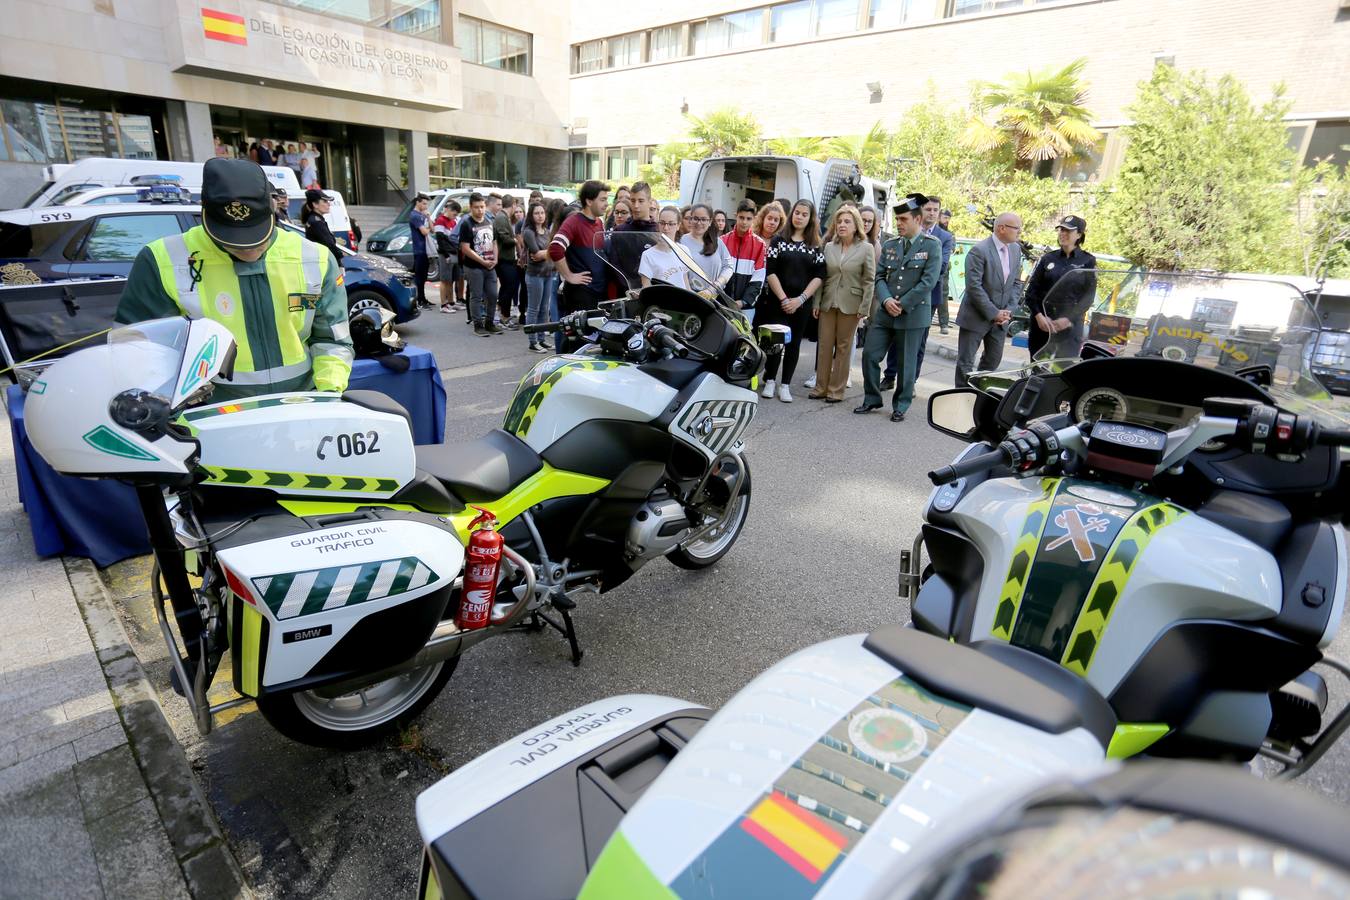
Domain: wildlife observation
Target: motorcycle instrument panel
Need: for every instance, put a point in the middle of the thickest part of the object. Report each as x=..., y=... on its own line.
x=1098, y=403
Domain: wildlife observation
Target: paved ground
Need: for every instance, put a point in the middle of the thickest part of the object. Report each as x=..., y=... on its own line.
x=84, y=810
x=836, y=498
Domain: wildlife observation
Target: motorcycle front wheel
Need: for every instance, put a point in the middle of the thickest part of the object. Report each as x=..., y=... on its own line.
x=706, y=550
x=357, y=718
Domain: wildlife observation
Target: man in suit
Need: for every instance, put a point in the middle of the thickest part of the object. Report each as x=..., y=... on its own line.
x=909, y=268
x=992, y=290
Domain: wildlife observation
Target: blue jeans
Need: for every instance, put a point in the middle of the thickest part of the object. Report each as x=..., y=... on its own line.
x=542, y=291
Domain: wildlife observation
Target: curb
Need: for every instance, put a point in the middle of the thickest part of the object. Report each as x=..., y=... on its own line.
x=208, y=867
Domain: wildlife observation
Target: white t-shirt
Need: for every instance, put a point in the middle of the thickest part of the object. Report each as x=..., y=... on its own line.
x=660, y=264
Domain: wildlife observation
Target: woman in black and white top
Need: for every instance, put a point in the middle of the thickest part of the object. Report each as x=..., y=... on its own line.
x=794, y=268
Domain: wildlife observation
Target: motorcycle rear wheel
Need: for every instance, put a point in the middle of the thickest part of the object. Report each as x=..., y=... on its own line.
x=358, y=718
x=707, y=550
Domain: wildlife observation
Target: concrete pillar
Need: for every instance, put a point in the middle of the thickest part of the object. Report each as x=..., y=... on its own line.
x=419, y=164
x=201, y=144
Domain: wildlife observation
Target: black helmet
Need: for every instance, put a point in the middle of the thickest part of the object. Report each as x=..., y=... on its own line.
x=372, y=331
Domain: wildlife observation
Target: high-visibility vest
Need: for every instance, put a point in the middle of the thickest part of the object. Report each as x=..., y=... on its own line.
x=200, y=278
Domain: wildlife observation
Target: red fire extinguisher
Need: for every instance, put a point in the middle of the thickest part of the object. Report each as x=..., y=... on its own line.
x=482, y=561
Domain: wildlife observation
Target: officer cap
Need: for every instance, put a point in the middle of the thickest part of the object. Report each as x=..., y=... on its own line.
x=236, y=203
x=1073, y=223
x=314, y=195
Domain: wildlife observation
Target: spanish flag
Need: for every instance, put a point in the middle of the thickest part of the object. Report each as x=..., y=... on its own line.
x=219, y=26
x=803, y=841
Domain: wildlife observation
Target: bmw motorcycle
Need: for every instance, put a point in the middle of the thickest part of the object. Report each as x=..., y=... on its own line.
x=305, y=536
x=1145, y=556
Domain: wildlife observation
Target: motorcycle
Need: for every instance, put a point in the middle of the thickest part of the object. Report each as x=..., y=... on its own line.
x=1191, y=529
x=1155, y=505
x=307, y=537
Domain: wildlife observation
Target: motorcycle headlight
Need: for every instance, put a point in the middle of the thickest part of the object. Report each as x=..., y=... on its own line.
x=397, y=243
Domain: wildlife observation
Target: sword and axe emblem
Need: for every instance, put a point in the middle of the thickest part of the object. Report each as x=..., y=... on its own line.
x=1076, y=530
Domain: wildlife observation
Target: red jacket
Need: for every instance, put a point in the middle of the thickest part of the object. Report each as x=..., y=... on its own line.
x=747, y=278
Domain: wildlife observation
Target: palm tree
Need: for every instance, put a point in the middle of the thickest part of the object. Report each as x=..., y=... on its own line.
x=725, y=132
x=1040, y=115
x=808, y=147
x=869, y=150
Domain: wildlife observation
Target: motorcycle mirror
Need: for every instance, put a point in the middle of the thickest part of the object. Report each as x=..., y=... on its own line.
x=952, y=412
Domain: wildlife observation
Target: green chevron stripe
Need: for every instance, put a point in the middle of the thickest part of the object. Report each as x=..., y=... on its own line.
x=298, y=480
x=318, y=594
x=275, y=588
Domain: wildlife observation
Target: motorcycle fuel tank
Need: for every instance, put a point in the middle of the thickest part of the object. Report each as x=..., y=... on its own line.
x=1089, y=574
x=311, y=444
x=562, y=392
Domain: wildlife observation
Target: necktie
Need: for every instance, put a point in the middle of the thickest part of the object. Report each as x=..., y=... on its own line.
x=907, y=244
x=1003, y=259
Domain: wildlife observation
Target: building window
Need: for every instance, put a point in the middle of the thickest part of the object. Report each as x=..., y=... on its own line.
x=730, y=32
x=420, y=18
x=493, y=46
x=1329, y=139
x=970, y=7
x=417, y=19
x=665, y=43
x=1086, y=164
x=790, y=22
x=70, y=128
x=625, y=50
x=585, y=164
x=588, y=57
x=892, y=13
x=836, y=16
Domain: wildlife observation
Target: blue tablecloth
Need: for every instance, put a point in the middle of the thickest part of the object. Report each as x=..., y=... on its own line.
x=101, y=519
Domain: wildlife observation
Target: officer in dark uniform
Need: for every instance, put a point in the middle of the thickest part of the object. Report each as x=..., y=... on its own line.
x=1066, y=318
x=910, y=267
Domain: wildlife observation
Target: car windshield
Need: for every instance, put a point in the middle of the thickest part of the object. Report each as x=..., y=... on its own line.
x=170, y=337
x=1226, y=322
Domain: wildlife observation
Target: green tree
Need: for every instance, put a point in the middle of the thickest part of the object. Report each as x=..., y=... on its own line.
x=1205, y=182
x=725, y=132
x=793, y=145
x=1322, y=221
x=869, y=150
x=1038, y=116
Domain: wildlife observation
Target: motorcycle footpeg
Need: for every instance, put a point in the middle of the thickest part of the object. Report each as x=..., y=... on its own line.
x=562, y=602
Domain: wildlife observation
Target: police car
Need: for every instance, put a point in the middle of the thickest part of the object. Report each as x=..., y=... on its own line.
x=48, y=244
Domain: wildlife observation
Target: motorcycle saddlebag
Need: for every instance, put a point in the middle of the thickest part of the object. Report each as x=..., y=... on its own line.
x=312, y=603
x=557, y=790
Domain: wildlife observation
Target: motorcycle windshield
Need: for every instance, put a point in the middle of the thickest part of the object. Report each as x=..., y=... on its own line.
x=1226, y=322
x=170, y=338
x=640, y=258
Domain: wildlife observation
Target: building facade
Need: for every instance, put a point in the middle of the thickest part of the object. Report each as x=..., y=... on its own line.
x=821, y=68
x=422, y=93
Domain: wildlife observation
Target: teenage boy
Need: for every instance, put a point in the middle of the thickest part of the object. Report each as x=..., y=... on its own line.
x=478, y=256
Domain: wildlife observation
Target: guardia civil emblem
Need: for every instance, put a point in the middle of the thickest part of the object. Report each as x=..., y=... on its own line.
x=887, y=735
x=237, y=211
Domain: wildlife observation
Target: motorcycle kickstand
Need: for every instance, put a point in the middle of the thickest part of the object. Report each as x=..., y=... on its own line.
x=564, y=605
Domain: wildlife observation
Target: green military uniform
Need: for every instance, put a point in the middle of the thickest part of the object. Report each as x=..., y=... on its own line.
x=287, y=310
x=907, y=273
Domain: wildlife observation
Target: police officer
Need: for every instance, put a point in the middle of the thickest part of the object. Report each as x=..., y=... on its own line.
x=1050, y=268
x=280, y=295
x=910, y=267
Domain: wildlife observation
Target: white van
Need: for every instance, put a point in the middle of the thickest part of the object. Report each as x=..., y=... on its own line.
x=722, y=182
x=339, y=222
x=61, y=181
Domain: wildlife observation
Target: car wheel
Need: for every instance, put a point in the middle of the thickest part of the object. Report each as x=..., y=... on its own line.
x=367, y=300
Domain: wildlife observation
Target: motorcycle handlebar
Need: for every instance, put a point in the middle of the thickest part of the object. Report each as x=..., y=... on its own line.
x=1333, y=437
x=980, y=462
x=667, y=340
x=541, y=326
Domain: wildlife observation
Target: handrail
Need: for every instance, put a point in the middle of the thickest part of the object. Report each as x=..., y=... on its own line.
x=398, y=189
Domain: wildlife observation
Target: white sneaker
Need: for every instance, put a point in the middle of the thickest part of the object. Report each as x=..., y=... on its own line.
x=784, y=394
x=810, y=381
x=849, y=383
x=768, y=388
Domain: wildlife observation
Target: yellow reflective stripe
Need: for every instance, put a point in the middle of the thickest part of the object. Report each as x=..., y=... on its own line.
x=251, y=650
x=1134, y=737
x=621, y=872
x=307, y=508
x=543, y=485
x=298, y=481
x=1109, y=585
x=1024, y=553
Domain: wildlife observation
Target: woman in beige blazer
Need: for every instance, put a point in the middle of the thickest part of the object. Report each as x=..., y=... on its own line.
x=850, y=274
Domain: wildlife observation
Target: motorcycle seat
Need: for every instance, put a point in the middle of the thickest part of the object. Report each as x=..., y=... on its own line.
x=480, y=470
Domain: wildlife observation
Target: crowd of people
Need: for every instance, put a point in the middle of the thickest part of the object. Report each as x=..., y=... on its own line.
x=844, y=285
x=300, y=157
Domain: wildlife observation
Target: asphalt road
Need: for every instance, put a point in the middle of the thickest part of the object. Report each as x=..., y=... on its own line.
x=836, y=497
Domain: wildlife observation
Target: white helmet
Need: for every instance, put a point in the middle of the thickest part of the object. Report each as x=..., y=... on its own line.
x=110, y=410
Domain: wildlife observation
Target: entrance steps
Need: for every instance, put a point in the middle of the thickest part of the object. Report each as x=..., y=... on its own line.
x=372, y=218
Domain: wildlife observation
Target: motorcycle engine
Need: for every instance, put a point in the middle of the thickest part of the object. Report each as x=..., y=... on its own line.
x=657, y=528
